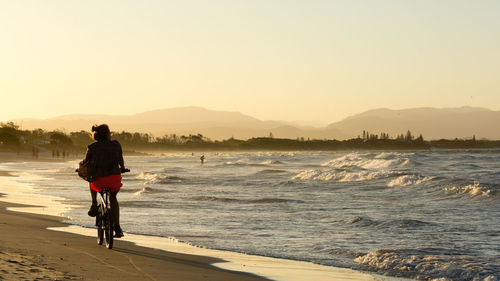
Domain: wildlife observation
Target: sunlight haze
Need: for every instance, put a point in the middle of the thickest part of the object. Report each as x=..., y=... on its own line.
x=273, y=60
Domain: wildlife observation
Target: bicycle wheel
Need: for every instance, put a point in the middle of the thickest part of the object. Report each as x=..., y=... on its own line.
x=99, y=223
x=108, y=230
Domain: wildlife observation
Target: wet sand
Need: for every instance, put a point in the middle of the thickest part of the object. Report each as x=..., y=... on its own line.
x=28, y=251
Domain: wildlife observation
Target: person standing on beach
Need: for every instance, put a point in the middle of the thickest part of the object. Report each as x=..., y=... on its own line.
x=106, y=164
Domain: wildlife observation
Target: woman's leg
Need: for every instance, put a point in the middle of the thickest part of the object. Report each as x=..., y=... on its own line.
x=93, y=208
x=93, y=195
x=115, y=207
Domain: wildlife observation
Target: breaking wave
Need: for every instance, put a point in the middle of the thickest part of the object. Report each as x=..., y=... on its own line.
x=428, y=265
x=381, y=161
x=473, y=190
x=355, y=167
x=343, y=176
x=155, y=178
x=408, y=180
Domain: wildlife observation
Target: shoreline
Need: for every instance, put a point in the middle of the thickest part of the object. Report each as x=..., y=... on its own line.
x=18, y=204
x=17, y=199
x=28, y=250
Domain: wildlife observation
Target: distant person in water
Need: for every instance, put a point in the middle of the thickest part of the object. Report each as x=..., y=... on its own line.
x=202, y=159
x=106, y=159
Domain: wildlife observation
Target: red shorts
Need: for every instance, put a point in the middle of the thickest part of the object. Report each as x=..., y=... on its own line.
x=113, y=182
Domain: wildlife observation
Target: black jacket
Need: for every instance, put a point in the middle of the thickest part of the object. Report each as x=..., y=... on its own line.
x=105, y=158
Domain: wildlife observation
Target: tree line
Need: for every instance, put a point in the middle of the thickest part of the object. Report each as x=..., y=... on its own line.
x=13, y=138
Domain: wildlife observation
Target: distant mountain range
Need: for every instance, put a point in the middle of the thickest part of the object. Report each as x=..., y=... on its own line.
x=432, y=123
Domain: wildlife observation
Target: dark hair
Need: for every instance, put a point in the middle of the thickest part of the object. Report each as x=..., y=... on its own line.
x=101, y=132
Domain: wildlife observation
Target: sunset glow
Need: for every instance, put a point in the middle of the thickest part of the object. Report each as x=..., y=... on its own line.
x=280, y=60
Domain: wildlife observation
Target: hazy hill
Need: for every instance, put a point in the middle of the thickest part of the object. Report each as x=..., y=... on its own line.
x=432, y=123
x=182, y=121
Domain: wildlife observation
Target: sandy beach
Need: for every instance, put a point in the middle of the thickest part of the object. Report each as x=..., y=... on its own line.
x=28, y=251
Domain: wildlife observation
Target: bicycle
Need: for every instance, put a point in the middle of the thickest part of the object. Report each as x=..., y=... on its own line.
x=104, y=220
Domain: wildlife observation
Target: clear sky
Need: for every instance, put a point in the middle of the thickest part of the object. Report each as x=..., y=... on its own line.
x=271, y=59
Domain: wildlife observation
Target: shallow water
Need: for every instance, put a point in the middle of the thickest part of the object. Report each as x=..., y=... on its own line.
x=420, y=214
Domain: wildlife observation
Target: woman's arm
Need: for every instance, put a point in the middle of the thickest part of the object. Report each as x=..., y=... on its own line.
x=88, y=155
x=121, y=163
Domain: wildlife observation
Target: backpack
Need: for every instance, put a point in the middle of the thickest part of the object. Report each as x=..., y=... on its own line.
x=83, y=171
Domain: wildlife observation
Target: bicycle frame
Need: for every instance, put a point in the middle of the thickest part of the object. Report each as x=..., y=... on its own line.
x=104, y=219
x=103, y=200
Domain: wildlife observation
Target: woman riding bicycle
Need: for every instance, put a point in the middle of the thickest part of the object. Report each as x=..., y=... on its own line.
x=106, y=164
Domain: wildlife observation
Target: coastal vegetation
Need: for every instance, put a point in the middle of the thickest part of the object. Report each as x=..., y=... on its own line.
x=13, y=138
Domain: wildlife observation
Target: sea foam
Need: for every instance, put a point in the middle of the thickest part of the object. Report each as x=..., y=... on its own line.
x=365, y=162
x=473, y=190
x=158, y=178
x=341, y=176
x=408, y=180
x=424, y=266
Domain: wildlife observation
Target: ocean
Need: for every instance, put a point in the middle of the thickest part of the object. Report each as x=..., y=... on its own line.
x=426, y=215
